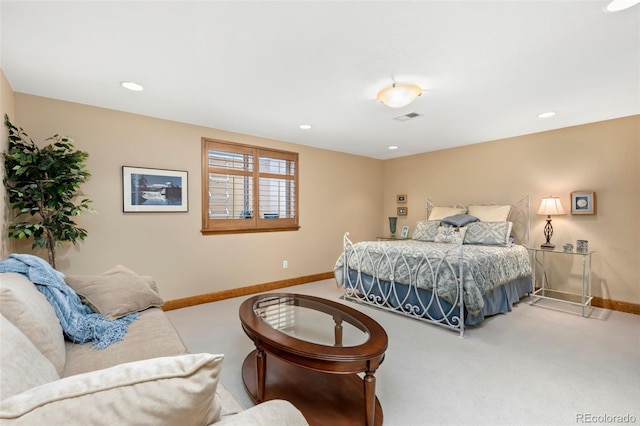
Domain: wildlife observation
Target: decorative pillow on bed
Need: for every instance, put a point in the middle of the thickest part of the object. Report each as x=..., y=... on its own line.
x=426, y=230
x=439, y=213
x=459, y=220
x=450, y=235
x=490, y=213
x=488, y=233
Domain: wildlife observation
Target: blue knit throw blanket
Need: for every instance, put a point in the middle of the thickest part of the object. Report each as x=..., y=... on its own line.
x=78, y=321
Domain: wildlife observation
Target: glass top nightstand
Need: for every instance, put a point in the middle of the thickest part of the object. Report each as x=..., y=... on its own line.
x=582, y=299
x=391, y=238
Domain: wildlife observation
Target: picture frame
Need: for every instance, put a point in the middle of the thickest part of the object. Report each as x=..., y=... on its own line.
x=583, y=202
x=402, y=211
x=401, y=198
x=405, y=232
x=147, y=190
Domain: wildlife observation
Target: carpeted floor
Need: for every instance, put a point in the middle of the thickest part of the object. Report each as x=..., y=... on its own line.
x=533, y=366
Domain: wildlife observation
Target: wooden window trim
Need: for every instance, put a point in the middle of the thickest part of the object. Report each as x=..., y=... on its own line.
x=254, y=224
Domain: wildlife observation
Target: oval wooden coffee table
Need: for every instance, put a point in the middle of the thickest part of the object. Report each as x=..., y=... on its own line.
x=318, y=347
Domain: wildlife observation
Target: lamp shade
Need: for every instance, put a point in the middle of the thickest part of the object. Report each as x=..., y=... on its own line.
x=551, y=206
x=399, y=95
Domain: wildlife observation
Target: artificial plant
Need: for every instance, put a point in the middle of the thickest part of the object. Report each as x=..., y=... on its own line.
x=42, y=186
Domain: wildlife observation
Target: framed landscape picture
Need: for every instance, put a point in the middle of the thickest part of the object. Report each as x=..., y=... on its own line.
x=583, y=202
x=154, y=190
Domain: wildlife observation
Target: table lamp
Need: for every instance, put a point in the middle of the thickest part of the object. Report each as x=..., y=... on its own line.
x=550, y=206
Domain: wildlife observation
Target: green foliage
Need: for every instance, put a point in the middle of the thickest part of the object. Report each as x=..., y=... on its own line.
x=42, y=185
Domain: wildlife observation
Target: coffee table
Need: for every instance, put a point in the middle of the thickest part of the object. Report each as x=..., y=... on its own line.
x=319, y=346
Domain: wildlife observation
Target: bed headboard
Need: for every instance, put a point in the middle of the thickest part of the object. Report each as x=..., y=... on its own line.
x=519, y=216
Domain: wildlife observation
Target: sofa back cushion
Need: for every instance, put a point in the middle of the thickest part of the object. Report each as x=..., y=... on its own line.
x=23, y=366
x=26, y=308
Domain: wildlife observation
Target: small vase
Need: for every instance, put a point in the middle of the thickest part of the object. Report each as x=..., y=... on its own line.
x=392, y=224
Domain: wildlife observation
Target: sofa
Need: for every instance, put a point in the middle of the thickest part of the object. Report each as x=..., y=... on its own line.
x=146, y=378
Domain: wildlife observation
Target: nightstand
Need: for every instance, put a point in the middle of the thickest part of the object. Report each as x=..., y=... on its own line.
x=582, y=300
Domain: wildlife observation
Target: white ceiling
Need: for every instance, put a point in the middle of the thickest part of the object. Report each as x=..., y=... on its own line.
x=263, y=68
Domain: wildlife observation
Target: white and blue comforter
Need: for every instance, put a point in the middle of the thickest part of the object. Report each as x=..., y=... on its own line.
x=427, y=265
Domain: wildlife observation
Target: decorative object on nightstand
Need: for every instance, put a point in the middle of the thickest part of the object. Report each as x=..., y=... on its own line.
x=392, y=224
x=405, y=232
x=550, y=206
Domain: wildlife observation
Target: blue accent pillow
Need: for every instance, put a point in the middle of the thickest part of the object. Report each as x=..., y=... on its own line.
x=459, y=220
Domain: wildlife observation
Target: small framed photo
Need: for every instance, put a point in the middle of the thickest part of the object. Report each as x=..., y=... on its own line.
x=583, y=202
x=402, y=211
x=402, y=198
x=405, y=232
x=154, y=190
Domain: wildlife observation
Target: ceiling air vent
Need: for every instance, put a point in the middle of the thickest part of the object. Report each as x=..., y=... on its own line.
x=406, y=117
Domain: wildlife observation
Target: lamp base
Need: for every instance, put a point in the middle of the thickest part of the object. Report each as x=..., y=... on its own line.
x=547, y=246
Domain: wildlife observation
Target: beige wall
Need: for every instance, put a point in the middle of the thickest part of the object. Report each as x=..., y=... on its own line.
x=603, y=157
x=341, y=192
x=7, y=106
x=338, y=192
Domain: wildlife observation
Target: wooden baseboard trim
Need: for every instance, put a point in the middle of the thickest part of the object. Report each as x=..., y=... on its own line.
x=243, y=291
x=616, y=305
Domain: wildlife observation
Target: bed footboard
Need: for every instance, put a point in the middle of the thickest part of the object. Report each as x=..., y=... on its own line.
x=422, y=283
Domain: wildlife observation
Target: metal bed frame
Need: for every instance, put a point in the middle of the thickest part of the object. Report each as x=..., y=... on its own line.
x=410, y=300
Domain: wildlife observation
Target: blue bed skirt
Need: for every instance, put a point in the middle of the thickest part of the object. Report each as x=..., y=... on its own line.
x=496, y=301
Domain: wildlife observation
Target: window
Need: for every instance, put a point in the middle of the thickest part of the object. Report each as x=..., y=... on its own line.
x=248, y=188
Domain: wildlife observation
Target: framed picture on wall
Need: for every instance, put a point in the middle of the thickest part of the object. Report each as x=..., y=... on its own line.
x=405, y=232
x=583, y=202
x=154, y=190
x=402, y=211
x=401, y=198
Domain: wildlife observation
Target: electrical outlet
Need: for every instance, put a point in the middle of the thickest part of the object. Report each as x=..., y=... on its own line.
x=285, y=264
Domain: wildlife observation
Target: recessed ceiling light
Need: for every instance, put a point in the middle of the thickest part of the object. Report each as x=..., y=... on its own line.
x=393, y=147
x=305, y=126
x=132, y=86
x=546, y=114
x=617, y=5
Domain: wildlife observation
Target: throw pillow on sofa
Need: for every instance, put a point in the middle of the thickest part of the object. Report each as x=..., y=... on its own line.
x=115, y=293
x=26, y=308
x=23, y=366
x=159, y=391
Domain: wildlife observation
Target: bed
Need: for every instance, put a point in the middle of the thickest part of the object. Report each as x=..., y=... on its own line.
x=461, y=265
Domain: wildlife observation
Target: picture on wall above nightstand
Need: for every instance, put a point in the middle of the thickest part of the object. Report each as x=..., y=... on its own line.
x=401, y=198
x=402, y=211
x=583, y=202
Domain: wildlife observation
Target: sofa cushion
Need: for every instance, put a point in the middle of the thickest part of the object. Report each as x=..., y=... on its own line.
x=23, y=366
x=160, y=391
x=115, y=293
x=274, y=412
x=26, y=308
x=151, y=335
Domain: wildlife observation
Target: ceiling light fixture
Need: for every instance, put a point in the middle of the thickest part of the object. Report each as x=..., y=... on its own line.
x=305, y=126
x=132, y=86
x=392, y=147
x=617, y=5
x=546, y=114
x=399, y=94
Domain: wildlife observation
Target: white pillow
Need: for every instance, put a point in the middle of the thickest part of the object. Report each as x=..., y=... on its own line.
x=439, y=213
x=23, y=366
x=158, y=391
x=490, y=213
x=23, y=304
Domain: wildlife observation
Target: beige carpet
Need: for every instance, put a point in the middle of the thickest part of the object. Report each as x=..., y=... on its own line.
x=533, y=366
